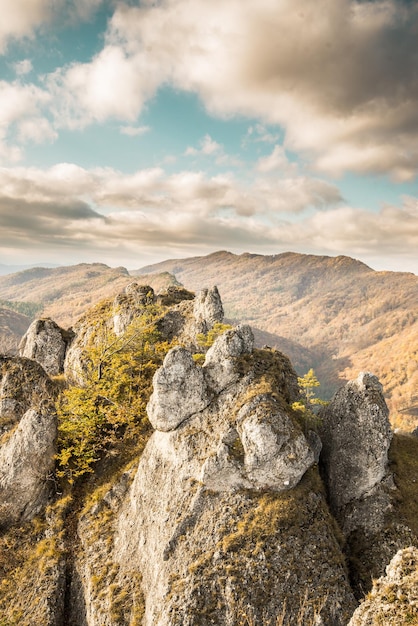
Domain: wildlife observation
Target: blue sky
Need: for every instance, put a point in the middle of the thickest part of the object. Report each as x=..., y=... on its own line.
x=132, y=132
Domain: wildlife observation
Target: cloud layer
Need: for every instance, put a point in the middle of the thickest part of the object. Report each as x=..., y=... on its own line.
x=337, y=79
x=340, y=76
x=150, y=214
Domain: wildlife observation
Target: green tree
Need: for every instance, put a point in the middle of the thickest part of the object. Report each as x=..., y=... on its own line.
x=110, y=407
x=307, y=406
x=308, y=384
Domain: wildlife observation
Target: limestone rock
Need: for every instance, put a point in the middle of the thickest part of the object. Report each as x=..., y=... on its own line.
x=190, y=318
x=27, y=447
x=277, y=453
x=179, y=391
x=208, y=308
x=221, y=358
x=203, y=521
x=27, y=460
x=46, y=343
x=356, y=436
x=174, y=294
x=393, y=599
x=130, y=304
x=24, y=385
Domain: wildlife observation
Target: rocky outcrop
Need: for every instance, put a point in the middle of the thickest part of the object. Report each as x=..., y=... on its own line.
x=231, y=470
x=129, y=304
x=184, y=319
x=191, y=318
x=356, y=436
x=174, y=294
x=180, y=391
x=393, y=599
x=208, y=309
x=27, y=462
x=224, y=519
x=27, y=447
x=46, y=343
x=24, y=385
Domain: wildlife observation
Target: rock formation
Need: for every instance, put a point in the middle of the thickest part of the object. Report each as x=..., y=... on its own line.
x=46, y=343
x=393, y=599
x=356, y=437
x=176, y=321
x=224, y=517
x=224, y=451
x=26, y=466
x=28, y=444
x=129, y=304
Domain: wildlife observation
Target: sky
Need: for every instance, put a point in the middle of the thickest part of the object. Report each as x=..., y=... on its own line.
x=133, y=132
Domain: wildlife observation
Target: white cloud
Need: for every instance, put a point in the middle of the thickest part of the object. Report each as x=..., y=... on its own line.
x=23, y=67
x=338, y=75
x=112, y=85
x=20, y=17
x=207, y=147
x=93, y=212
x=277, y=161
x=21, y=108
x=134, y=131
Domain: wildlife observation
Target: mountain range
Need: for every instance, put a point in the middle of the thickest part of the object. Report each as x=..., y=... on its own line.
x=333, y=314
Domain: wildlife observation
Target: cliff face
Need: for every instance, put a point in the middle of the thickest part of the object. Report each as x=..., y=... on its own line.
x=231, y=472
x=225, y=517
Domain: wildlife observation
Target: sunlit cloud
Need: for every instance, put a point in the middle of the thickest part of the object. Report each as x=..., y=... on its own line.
x=134, y=131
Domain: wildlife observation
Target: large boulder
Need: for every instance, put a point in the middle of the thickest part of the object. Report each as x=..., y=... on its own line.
x=129, y=304
x=190, y=318
x=356, y=436
x=28, y=442
x=179, y=391
x=27, y=461
x=226, y=501
x=24, y=385
x=46, y=343
x=208, y=309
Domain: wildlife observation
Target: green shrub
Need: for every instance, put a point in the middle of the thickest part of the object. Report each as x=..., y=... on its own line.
x=111, y=406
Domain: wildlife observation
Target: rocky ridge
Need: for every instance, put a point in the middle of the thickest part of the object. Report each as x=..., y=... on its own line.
x=224, y=519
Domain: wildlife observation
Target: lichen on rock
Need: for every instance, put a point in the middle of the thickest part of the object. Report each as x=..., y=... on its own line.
x=356, y=436
x=179, y=391
x=46, y=343
x=393, y=599
x=227, y=445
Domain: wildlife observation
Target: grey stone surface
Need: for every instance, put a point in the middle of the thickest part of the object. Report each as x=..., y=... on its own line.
x=130, y=304
x=46, y=343
x=196, y=479
x=393, y=599
x=208, y=309
x=179, y=391
x=221, y=358
x=27, y=461
x=356, y=436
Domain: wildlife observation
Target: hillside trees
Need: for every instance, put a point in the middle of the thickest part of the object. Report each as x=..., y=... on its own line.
x=111, y=405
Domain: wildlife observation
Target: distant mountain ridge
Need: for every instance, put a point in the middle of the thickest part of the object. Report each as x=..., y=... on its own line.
x=334, y=314
x=65, y=293
x=348, y=316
